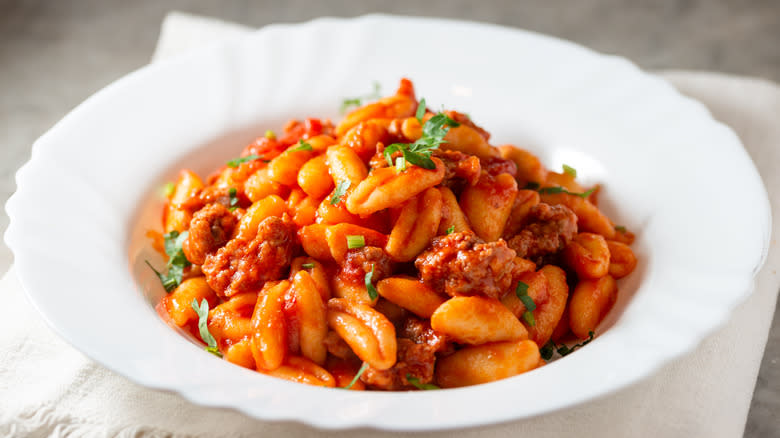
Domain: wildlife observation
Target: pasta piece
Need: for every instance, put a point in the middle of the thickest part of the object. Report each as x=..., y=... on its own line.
x=345, y=165
x=589, y=218
x=352, y=291
x=306, y=316
x=410, y=294
x=402, y=104
x=623, y=236
x=487, y=363
x=259, y=185
x=565, y=180
x=588, y=255
x=317, y=272
x=468, y=140
x=230, y=321
x=332, y=214
x=314, y=242
x=313, y=178
x=301, y=207
x=529, y=168
x=523, y=265
x=240, y=354
x=524, y=201
x=622, y=260
x=416, y=225
x=590, y=302
x=319, y=143
x=223, y=178
x=186, y=186
x=240, y=174
x=241, y=304
x=178, y=304
x=477, y=320
x=411, y=129
x=548, y=313
x=370, y=335
x=285, y=167
x=336, y=238
x=537, y=290
x=362, y=138
x=452, y=217
x=258, y=212
x=386, y=187
x=488, y=204
x=269, y=337
x=302, y=370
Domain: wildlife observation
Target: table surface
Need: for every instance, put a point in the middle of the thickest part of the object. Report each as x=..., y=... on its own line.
x=54, y=54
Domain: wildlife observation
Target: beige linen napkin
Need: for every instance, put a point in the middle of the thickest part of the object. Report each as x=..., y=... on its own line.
x=47, y=388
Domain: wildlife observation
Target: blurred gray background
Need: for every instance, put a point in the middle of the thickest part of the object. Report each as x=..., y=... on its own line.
x=54, y=54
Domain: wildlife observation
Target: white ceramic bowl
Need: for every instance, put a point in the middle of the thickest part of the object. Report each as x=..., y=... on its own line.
x=671, y=173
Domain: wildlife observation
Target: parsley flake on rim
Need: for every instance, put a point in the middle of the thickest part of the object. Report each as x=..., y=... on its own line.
x=372, y=293
x=522, y=293
x=177, y=261
x=307, y=266
x=340, y=191
x=203, y=328
x=547, y=351
x=414, y=381
x=346, y=103
x=419, y=152
x=357, y=376
x=357, y=101
x=238, y=161
x=570, y=170
x=621, y=229
x=168, y=189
